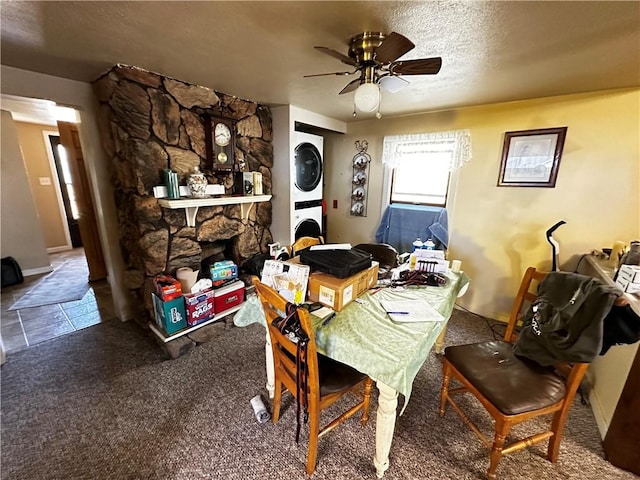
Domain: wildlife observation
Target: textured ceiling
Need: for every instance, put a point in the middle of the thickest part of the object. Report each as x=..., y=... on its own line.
x=491, y=51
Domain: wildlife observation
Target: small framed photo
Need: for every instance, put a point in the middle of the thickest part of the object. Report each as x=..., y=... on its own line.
x=530, y=158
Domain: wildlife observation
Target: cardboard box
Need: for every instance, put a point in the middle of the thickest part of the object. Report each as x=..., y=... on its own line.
x=229, y=296
x=200, y=307
x=337, y=293
x=630, y=273
x=167, y=287
x=225, y=270
x=170, y=316
x=289, y=278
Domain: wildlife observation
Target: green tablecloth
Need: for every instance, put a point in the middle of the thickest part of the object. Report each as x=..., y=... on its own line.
x=364, y=337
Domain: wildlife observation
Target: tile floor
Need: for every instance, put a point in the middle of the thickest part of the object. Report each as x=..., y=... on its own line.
x=21, y=329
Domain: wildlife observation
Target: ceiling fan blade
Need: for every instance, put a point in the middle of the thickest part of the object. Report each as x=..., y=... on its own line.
x=338, y=55
x=392, y=83
x=351, y=86
x=420, y=66
x=393, y=46
x=332, y=73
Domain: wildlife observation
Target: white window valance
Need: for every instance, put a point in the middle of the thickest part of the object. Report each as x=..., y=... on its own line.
x=457, y=142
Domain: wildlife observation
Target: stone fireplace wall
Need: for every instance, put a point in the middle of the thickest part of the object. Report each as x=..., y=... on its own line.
x=149, y=122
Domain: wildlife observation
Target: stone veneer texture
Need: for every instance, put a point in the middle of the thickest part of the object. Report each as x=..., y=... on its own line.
x=149, y=122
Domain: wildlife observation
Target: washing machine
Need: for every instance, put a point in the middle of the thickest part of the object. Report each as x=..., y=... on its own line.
x=307, y=168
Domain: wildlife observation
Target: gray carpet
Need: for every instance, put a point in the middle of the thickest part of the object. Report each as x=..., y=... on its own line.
x=68, y=282
x=103, y=403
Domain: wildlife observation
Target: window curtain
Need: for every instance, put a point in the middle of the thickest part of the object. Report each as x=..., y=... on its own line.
x=458, y=142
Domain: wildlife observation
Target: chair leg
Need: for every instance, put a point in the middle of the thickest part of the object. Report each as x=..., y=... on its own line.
x=368, y=384
x=277, y=395
x=502, y=430
x=557, y=427
x=314, y=429
x=444, y=393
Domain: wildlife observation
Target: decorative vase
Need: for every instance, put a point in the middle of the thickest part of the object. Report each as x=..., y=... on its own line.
x=197, y=184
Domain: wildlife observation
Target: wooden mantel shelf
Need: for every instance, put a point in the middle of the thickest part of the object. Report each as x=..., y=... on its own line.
x=191, y=205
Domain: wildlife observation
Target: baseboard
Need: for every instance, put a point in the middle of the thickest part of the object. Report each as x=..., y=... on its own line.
x=63, y=248
x=596, y=408
x=37, y=271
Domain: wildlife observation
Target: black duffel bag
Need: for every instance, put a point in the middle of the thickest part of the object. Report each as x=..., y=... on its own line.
x=11, y=272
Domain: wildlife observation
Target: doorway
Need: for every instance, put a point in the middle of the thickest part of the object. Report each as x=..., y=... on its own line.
x=67, y=191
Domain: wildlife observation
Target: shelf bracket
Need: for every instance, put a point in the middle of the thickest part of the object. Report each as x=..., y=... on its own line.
x=190, y=214
x=245, y=209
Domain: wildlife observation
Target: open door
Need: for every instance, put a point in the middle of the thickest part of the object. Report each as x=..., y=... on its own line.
x=70, y=139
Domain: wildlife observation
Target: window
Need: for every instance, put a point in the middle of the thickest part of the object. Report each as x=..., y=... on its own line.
x=421, y=168
x=422, y=179
x=66, y=179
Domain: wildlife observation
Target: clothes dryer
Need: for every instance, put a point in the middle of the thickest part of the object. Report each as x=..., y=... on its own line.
x=307, y=219
x=307, y=167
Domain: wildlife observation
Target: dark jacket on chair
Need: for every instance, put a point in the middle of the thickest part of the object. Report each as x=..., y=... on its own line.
x=565, y=323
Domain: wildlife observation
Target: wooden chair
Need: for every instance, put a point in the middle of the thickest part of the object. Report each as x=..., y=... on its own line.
x=511, y=388
x=326, y=380
x=305, y=242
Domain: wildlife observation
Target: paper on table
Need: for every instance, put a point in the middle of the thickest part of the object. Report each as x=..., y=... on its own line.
x=331, y=246
x=323, y=312
x=412, y=311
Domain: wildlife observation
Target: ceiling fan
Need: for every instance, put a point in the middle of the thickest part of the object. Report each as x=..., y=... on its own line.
x=374, y=56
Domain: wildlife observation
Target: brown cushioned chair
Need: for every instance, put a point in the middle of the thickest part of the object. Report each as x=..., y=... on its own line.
x=383, y=253
x=512, y=389
x=326, y=380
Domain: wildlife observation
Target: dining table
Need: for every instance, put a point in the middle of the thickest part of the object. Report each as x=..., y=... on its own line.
x=364, y=336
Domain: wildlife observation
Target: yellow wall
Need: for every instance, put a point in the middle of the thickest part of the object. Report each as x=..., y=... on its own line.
x=32, y=142
x=21, y=232
x=498, y=231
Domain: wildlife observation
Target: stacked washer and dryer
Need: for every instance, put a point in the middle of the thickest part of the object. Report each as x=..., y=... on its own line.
x=298, y=172
x=307, y=179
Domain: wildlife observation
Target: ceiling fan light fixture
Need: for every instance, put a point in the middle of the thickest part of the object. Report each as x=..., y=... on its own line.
x=367, y=97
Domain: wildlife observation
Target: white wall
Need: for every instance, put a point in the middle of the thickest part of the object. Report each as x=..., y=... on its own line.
x=79, y=95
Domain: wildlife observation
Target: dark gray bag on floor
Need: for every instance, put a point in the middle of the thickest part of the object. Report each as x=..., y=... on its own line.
x=11, y=272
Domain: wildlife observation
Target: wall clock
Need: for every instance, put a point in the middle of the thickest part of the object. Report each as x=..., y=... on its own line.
x=220, y=142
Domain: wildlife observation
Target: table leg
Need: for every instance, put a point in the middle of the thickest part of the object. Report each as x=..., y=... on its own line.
x=439, y=346
x=271, y=375
x=385, y=425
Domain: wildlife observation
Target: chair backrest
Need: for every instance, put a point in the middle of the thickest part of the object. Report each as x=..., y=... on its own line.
x=305, y=242
x=526, y=296
x=383, y=253
x=285, y=352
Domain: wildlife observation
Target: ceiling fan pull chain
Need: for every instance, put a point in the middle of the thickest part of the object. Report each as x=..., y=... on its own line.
x=354, y=110
x=378, y=114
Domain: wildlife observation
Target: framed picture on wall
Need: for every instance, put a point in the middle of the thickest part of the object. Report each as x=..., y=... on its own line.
x=531, y=158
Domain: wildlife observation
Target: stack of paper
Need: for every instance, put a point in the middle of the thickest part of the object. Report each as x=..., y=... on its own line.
x=411, y=311
x=289, y=280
